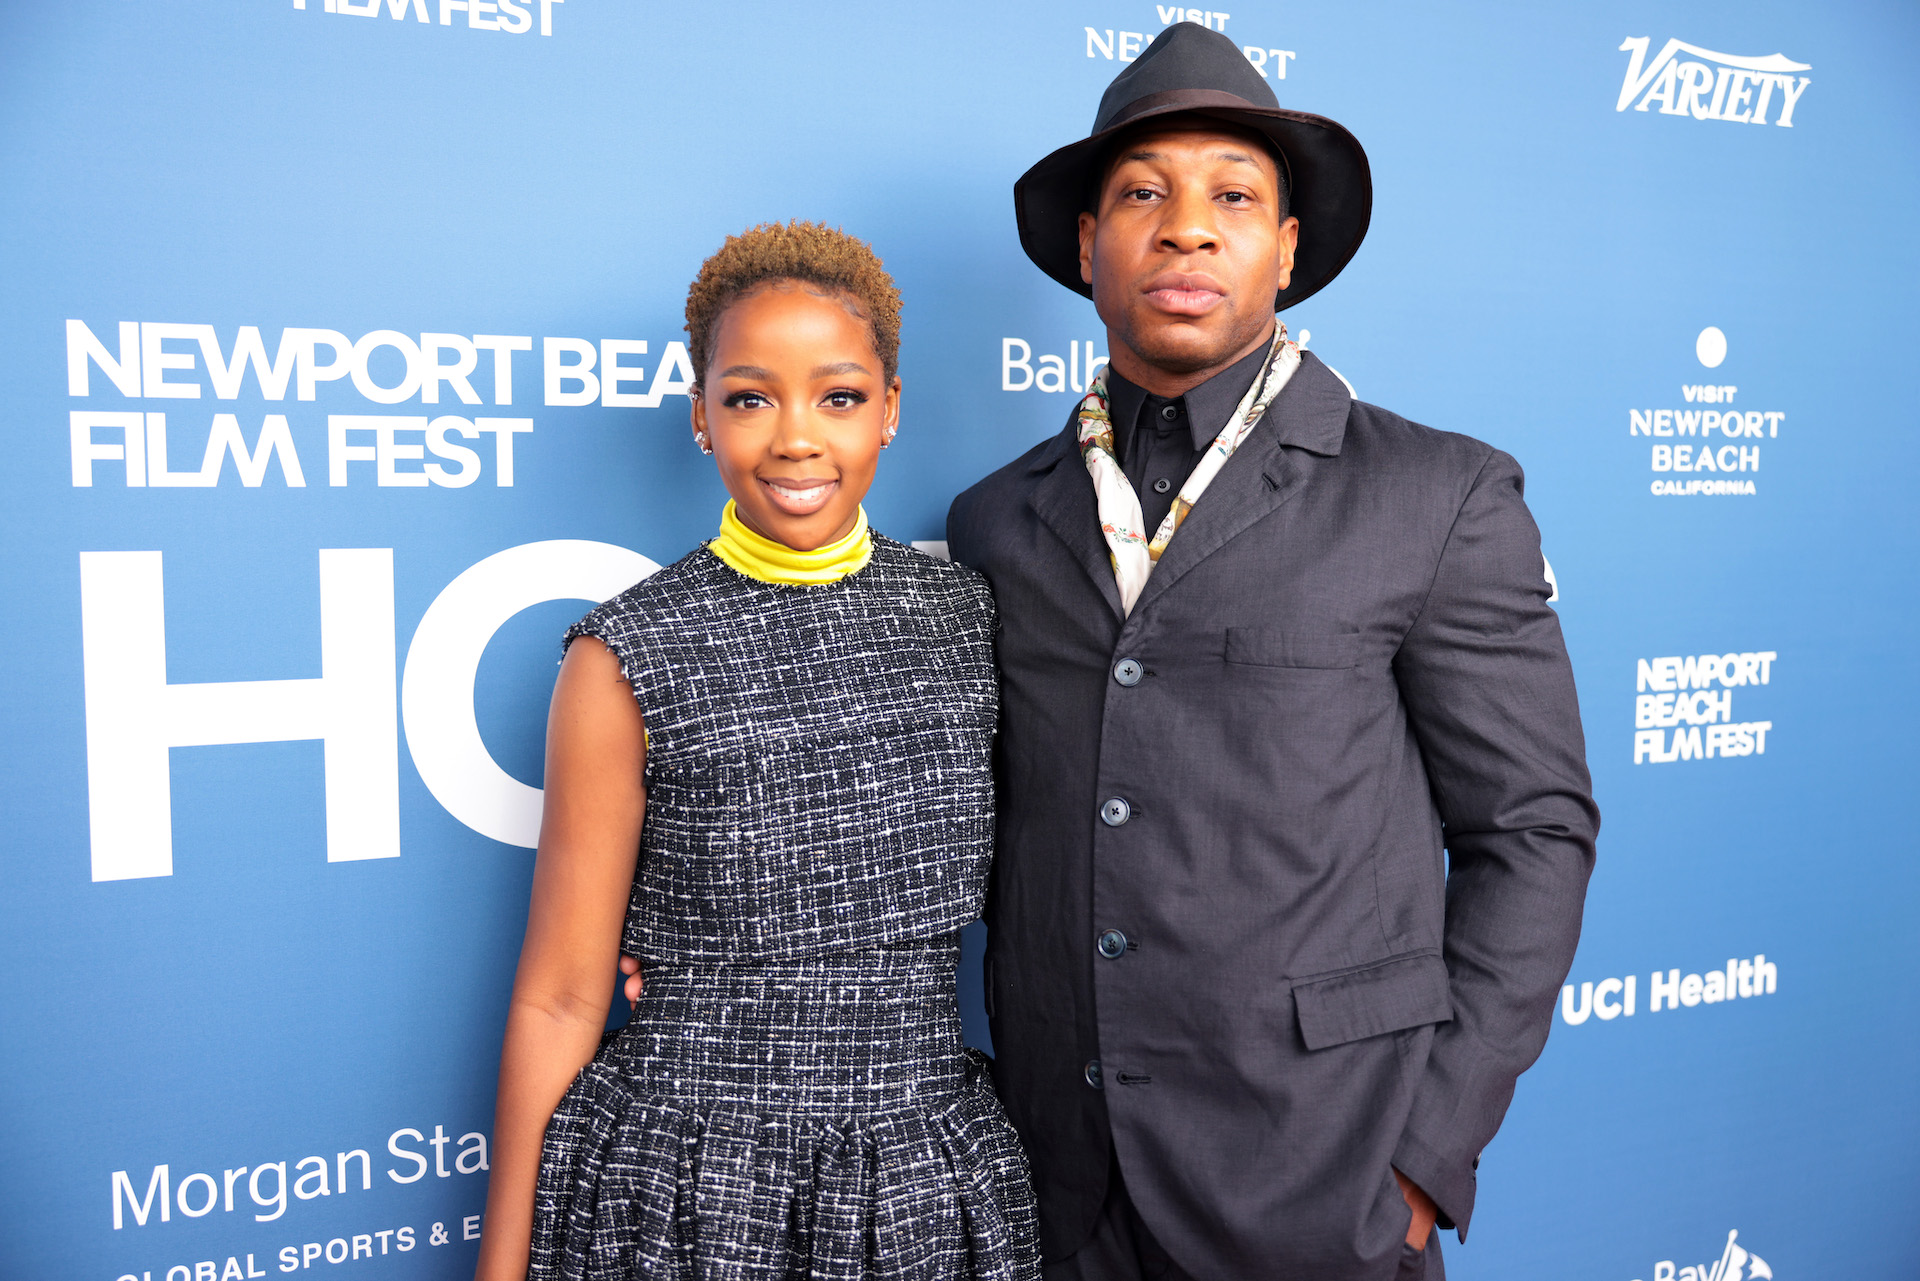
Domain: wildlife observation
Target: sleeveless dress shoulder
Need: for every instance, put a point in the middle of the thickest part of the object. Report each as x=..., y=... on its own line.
x=792, y=1099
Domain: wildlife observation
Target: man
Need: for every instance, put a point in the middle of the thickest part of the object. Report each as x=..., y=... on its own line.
x=1264, y=651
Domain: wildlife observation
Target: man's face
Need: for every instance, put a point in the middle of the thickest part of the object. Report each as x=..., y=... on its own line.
x=1186, y=247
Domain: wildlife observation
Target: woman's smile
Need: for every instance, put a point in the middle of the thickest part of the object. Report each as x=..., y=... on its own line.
x=800, y=497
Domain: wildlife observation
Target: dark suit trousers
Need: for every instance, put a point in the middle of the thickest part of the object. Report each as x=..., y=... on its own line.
x=1122, y=1249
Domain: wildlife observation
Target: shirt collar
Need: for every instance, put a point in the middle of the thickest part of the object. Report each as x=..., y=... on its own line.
x=1208, y=406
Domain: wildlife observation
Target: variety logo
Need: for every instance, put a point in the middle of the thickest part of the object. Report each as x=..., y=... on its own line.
x=1736, y=1263
x=1116, y=45
x=1712, y=86
x=1614, y=998
x=1676, y=696
x=477, y=15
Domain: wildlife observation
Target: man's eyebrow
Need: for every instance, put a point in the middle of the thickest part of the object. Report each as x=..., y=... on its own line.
x=843, y=367
x=745, y=371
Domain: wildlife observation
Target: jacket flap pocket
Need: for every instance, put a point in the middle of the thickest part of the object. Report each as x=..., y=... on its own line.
x=1404, y=992
x=1272, y=647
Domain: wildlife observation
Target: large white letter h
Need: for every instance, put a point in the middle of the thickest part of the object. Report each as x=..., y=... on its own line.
x=134, y=716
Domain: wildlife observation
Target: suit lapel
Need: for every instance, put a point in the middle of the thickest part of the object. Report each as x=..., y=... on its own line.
x=1255, y=481
x=1310, y=415
x=1063, y=499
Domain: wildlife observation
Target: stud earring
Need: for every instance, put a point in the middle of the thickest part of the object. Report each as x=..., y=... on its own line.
x=700, y=437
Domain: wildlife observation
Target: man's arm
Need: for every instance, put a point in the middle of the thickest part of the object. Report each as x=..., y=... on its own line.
x=1489, y=693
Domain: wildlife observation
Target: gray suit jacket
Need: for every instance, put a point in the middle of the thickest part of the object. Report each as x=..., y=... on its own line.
x=1346, y=663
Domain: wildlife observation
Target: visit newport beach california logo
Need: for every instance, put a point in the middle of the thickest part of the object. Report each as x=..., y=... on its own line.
x=1686, y=441
x=1712, y=86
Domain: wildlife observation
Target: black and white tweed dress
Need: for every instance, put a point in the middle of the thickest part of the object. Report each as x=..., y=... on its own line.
x=792, y=1098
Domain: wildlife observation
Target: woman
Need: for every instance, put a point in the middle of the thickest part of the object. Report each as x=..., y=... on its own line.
x=791, y=727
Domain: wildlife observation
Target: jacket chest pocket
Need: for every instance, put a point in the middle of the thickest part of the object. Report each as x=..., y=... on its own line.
x=1276, y=647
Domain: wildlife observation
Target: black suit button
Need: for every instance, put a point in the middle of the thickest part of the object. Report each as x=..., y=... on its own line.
x=1093, y=1076
x=1162, y=485
x=1115, y=812
x=1113, y=944
x=1128, y=671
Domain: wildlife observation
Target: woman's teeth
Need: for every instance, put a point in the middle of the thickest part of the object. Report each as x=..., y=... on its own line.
x=799, y=495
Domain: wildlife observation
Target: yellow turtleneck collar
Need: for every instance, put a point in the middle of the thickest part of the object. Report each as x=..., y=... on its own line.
x=771, y=562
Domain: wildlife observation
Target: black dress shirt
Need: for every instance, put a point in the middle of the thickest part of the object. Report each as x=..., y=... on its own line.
x=1161, y=440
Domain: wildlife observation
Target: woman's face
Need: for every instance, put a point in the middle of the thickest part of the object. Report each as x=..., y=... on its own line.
x=797, y=409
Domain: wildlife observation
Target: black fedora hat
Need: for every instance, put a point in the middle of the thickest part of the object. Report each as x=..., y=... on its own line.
x=1191, y=70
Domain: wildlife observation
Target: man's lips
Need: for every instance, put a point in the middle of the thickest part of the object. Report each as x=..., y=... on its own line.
x=1184, y=293
x=800, y=496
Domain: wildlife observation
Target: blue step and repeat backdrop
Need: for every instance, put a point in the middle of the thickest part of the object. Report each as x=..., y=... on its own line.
x=342, y=363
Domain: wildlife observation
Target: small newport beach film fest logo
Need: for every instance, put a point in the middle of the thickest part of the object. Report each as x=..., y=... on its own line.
x=1712, y=86
x=516, y=19
x=1736, y=1263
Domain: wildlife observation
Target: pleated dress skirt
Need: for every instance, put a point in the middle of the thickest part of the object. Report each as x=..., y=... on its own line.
x=815, y=1118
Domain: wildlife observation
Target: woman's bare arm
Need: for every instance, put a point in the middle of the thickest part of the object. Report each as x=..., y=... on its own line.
x=589, y=838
